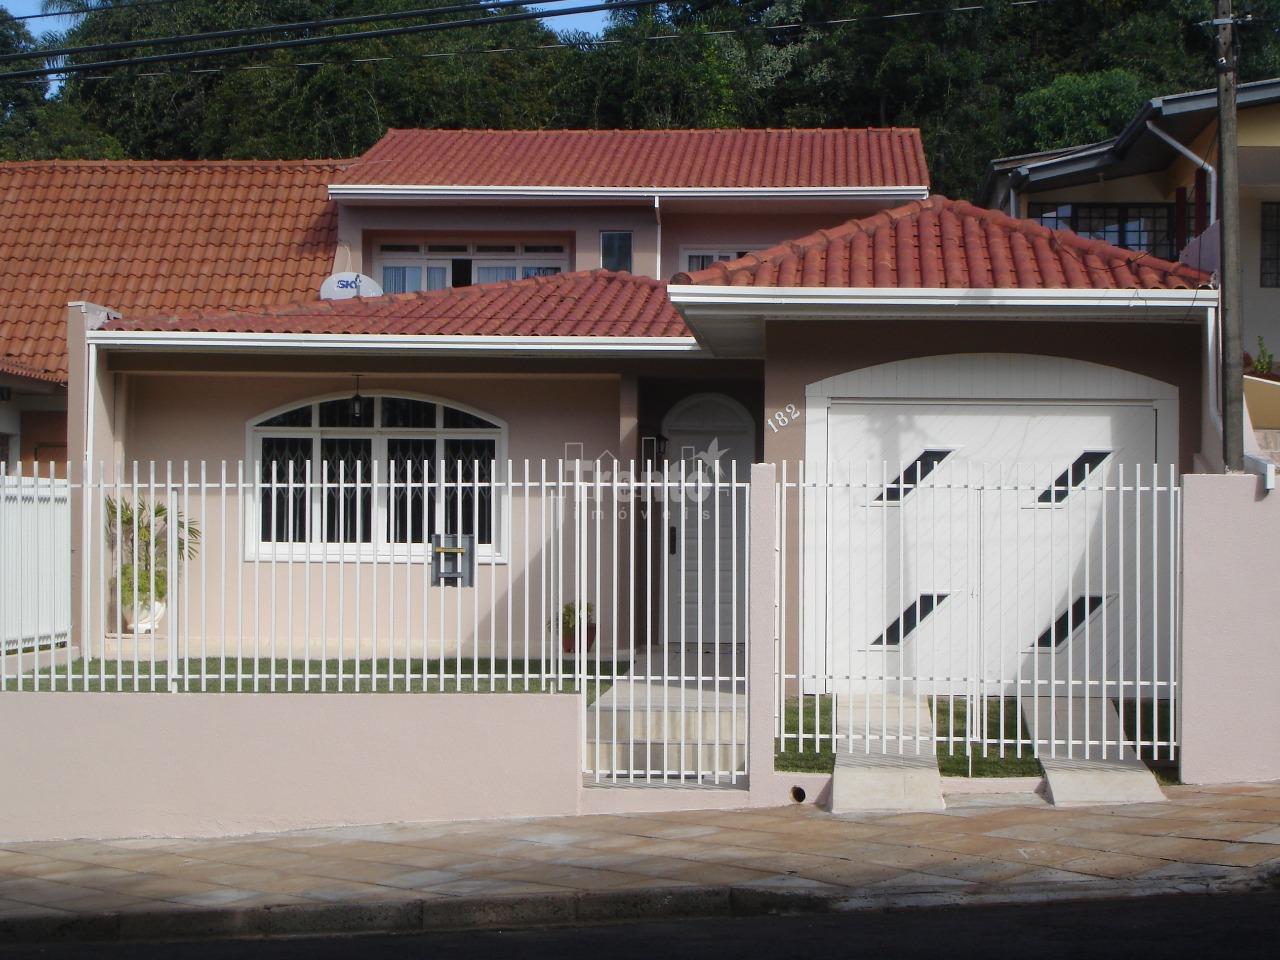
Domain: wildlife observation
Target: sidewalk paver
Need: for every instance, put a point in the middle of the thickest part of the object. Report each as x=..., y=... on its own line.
x=479, y=873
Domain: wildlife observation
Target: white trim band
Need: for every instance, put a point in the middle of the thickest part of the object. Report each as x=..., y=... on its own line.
x=375, y=191
x=773, y=297
x=347, y=342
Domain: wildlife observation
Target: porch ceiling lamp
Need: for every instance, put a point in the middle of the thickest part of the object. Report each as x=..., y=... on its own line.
x=357, y=401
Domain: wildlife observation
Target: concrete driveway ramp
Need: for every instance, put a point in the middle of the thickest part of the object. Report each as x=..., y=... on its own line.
x=880, y=781
x=869, y=777
x=1119, y=777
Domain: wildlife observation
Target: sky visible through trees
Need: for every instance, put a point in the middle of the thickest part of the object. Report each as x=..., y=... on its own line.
x=1008, y=78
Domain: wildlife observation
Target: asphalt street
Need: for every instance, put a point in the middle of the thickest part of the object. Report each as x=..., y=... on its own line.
x=1242, y=925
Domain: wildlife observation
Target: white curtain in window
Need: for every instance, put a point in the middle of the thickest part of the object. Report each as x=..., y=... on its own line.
x=495, y=273
x=404, y=279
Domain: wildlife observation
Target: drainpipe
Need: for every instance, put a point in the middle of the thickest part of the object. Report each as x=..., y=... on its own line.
x=1200, y=162
x=657, y=216
x=1013, y=199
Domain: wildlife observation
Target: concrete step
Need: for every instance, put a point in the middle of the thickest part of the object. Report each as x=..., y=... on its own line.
x=608, y=758
x=692, y=724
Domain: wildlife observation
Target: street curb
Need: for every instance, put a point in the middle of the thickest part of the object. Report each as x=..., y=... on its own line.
x=555, y=909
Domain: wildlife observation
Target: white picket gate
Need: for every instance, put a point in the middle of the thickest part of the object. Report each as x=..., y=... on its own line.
x=1000, y=610
x=35, y=562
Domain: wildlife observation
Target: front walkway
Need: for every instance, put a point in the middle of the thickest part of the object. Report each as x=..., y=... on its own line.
x=404, y=877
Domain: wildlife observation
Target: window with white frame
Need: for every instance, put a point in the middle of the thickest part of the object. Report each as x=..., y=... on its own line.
x=410, y=267
x=379, y=473
x=699, y=258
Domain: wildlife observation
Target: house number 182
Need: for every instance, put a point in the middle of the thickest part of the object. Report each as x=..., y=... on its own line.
x=787, y=415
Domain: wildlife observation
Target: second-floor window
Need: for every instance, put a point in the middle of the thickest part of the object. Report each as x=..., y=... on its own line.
x=701, y=258
x=615, y=250
x=1134, y=226
x=408, y=267
x=1271, y=244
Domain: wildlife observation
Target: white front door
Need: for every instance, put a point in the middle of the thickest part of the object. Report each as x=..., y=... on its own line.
x=958, y=541
x=710, y=443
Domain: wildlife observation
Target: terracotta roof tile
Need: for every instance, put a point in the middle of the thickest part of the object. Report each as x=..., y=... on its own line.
x=948, y=243
x=594, y=303
x=154, y=235
x=643, y=158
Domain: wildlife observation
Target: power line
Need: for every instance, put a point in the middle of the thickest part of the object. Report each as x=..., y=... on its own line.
x=459, y=24
x=332, y=38
x=535, y=48
x=49, y=54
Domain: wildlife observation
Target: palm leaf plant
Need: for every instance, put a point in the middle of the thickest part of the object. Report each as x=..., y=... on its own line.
x=140, y=532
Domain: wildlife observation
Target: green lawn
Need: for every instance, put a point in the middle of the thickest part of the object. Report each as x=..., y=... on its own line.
x=965, y=760
x=329, y=676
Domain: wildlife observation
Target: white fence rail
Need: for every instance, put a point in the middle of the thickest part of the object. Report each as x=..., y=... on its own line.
x=35, y=562
x=625, y=587
x=979, y=611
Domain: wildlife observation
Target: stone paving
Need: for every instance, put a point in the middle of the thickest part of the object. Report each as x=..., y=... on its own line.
x=999, y=845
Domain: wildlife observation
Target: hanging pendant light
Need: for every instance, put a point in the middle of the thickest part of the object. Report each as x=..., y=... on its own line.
x=357, y=402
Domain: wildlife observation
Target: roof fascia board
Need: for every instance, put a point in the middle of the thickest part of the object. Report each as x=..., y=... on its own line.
x=390, y=343
x=780, y=301
x=373, y=191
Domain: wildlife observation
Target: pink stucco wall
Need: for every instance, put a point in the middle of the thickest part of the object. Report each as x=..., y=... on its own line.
x=1228, y=707
x=117, y=765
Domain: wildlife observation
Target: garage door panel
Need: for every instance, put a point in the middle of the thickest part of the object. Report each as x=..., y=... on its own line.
x=998, y=517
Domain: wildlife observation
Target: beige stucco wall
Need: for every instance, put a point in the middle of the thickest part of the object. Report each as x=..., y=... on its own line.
x=804, y=352
x=1228, y=708
x=231, y=602
x=218, y=765
x=579, y=226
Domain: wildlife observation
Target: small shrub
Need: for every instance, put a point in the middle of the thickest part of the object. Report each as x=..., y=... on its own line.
x=1264, y=361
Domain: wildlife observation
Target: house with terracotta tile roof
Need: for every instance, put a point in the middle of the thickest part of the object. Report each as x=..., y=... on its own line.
x=145, y=236
x=431, y=424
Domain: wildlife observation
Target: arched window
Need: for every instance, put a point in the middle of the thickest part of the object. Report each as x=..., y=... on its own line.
x=374, y=474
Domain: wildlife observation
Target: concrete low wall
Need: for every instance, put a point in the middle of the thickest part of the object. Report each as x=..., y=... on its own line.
x=1230, y=678
x=89, y=765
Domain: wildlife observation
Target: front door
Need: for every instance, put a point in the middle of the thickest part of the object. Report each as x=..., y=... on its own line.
x=710, y=448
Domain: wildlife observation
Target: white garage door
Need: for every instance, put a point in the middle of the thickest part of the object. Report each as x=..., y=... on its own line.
x=965, y=542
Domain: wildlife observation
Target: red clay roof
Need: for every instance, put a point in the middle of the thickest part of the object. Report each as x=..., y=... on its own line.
x=643, y=158
x=594, y=303
x=154, y=235
x=947, y=243
x=15, y=369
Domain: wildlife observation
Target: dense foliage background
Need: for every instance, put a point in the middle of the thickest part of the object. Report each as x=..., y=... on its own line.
x=1006, y=79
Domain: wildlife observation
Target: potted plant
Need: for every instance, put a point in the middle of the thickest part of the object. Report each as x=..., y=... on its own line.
x=569, y=626
x=141, y=584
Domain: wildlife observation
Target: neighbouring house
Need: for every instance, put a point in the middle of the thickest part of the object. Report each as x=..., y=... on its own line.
x=142, y=235
x=1152, y=188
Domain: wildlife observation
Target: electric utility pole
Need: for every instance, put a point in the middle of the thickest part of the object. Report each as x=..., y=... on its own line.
x=1232, y=303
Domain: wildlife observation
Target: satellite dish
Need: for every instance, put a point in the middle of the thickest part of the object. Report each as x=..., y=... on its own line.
x=344, y=286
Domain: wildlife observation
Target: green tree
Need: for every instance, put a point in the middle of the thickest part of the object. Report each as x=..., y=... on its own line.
x=1078, y=108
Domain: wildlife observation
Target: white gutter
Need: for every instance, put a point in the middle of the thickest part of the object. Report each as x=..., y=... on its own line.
x=1199, y=161
x=657, y=216
x=376, y=191
x=772, y=299
x=388, y=343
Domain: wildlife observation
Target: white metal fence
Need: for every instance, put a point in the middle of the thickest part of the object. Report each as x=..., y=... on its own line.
x=35, y=555
x=1004, y=611
x=621, y=585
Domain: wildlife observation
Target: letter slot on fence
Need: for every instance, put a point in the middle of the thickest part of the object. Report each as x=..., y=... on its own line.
x=453, y=557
